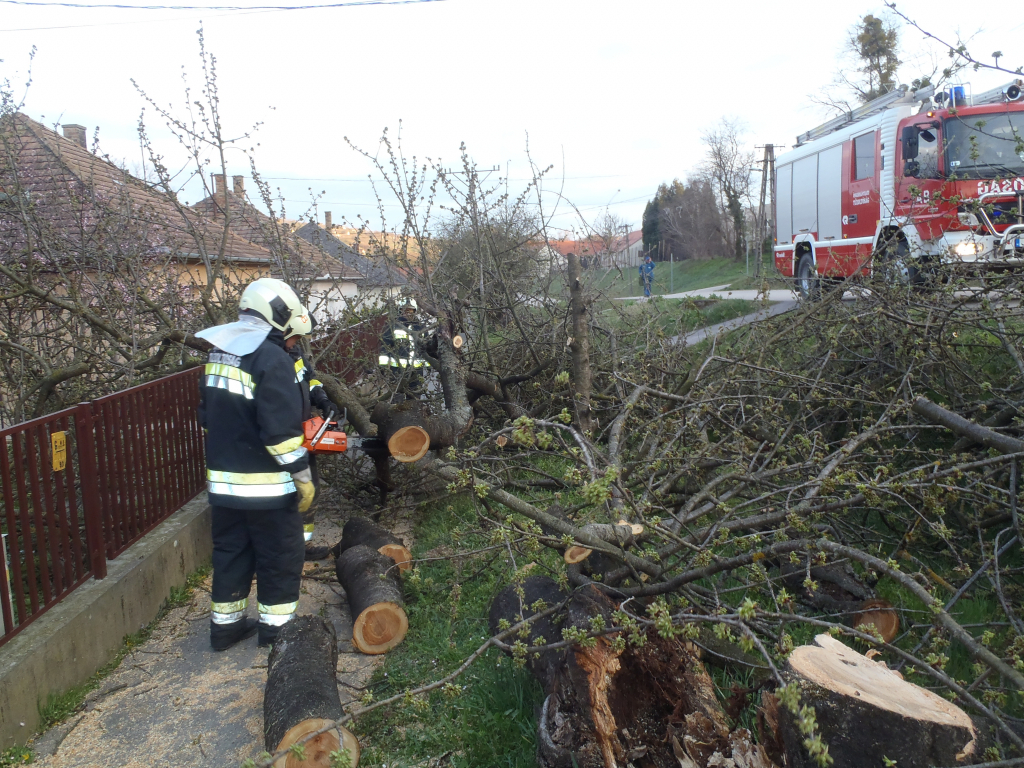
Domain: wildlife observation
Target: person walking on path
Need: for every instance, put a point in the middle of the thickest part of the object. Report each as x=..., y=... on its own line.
x=258, y=477
x=647, y=275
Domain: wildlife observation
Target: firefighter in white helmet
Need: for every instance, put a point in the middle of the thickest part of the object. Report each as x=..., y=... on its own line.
x=258, y=476
x=399, y=357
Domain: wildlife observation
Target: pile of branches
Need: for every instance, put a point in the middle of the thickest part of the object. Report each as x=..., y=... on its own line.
x=788, y=479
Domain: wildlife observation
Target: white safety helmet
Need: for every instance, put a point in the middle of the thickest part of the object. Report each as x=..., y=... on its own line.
x=410, y=303
x=303, y=325
x=276, y=302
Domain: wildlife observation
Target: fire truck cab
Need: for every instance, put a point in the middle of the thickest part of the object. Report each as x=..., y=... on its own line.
x=905, y=182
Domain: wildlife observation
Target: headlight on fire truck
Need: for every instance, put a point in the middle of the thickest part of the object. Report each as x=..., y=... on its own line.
x=967, y=249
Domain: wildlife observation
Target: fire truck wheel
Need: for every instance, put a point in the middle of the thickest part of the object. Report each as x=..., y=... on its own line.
x=808, y=284
x=896, y=265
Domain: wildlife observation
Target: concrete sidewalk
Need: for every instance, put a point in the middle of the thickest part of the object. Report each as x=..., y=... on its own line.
x=722, y=291
x=696, y=337
x=174, y=702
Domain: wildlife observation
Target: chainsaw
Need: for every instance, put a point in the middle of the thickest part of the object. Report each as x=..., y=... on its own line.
x=326, y=436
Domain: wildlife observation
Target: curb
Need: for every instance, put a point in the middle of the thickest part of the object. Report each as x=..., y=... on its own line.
x=65, y=646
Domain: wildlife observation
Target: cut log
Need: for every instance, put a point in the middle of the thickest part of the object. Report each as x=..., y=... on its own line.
x=403, y=427
x=508, y=605
x=621, y=535
x=867, y=714
x=374, y=589
x=359, y=530
x=881, y=615
x=302, y=695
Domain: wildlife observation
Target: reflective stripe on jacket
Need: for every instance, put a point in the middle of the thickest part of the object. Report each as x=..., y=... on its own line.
x=251, y=408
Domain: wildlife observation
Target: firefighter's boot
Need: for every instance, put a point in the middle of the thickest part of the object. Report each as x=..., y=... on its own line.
x=317, y=552
x=223, y=636
x=269, y=633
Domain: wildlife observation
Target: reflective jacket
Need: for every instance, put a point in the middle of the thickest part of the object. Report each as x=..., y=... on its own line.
x=251, y=408
x=312, y=388
x=398, y=345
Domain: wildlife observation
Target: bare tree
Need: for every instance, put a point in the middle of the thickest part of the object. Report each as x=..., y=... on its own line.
x=727, y=166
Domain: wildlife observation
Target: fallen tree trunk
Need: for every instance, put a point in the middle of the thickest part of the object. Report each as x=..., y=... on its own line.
x=302, y=695
x=866, y=713
x=965, y=428
x=508, y=605
x=374, y=590
x=621, y=534
x=608, y=707
x=359, y=530
x=403, y=427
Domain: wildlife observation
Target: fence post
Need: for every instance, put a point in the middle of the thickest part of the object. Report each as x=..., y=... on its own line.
x=88, y=471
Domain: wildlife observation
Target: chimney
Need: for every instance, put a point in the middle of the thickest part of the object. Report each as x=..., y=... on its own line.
x=75, y=133
x=219, y=185
x=328, y=222
x=238, y=185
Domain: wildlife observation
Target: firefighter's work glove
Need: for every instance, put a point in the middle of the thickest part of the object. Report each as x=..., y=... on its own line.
x=304, y=486
x=327, y=406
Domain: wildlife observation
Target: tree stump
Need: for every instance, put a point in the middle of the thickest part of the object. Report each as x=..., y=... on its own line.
x=302, y=694
x=359, y=530
x=509, y=606
x=653, y=705
x=374, y=588
x=867, y=713
x=403, y=427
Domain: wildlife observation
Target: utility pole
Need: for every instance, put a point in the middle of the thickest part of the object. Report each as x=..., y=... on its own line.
x=764, y=229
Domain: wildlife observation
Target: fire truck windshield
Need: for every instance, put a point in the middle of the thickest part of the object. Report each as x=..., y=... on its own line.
x=985, y=146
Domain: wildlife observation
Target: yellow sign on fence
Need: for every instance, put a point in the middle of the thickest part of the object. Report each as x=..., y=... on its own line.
x=59, y=442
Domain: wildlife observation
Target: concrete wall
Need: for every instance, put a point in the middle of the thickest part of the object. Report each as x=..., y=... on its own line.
x=66, y=645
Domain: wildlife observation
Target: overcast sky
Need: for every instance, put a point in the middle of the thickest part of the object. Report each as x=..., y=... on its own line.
x=615, y=95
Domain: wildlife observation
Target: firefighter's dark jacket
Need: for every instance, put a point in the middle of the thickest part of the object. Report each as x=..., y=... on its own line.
x=251, y=408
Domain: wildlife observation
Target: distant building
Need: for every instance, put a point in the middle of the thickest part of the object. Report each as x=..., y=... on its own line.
x=378, y=276
x=332, y=282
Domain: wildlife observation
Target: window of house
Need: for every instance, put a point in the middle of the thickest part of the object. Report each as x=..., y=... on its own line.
x=864, y=156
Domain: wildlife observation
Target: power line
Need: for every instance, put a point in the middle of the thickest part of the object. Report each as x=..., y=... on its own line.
x=365, y=179
x=40, y=3
x=123, y=23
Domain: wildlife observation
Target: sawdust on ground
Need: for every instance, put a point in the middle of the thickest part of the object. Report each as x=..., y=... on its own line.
x=174, y=702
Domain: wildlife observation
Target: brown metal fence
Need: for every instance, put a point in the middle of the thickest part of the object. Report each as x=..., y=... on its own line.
x=130, y=460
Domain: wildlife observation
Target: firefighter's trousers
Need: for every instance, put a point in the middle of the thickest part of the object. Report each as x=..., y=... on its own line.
x=309, y=514
x=264, y=542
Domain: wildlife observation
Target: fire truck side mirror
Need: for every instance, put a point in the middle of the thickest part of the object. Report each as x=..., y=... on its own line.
x=910, y=142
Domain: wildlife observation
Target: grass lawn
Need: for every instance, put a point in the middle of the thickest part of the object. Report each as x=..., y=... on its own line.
x=681, y=276
x=490, y=721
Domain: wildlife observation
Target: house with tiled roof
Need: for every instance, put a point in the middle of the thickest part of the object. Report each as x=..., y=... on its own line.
x=333, y=281
x=70, y=208
x=378, y=275
x=60, y=196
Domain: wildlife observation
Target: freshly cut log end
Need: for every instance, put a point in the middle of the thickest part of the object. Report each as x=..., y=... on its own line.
x=576, y=554
x=409, y=444
x=380, y=628
x=359, y=530
x=399, y=553
x=319, y=748
x=622, y=534
x=301, y=695
x=880, y=614
x=374, y=589
x=458, y=341
x=866, y=713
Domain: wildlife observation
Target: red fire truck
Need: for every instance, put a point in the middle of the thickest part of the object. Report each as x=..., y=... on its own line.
x=903, y=183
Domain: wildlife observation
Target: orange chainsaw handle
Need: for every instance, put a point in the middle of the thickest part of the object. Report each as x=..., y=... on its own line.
x=329, y=442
